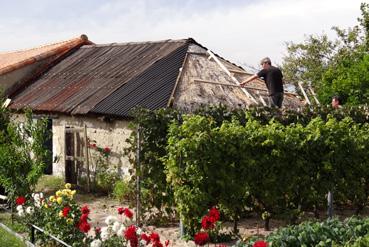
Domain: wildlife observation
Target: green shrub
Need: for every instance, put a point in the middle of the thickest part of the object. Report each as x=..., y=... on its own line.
x=123, y=191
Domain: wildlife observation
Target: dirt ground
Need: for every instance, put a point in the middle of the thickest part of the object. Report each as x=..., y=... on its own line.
x=101, y=207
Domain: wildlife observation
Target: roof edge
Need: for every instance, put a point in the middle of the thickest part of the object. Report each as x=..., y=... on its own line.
x=69, y=44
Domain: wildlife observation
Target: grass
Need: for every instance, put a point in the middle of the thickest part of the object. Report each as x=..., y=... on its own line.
x=8, y=239
x=49, y=183
x=15, y=226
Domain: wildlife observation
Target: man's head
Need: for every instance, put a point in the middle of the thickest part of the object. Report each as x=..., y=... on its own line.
x=336, y=102
x=265, y=62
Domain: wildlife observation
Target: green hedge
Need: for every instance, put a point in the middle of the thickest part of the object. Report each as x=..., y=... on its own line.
x=243, y=162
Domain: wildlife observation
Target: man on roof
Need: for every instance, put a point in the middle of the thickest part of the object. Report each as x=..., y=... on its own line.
x=273, y=79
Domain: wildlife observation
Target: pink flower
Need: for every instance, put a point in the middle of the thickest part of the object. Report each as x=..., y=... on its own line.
x=97, y=230
x=260, y=243
x=201, y=238
x=20, y=200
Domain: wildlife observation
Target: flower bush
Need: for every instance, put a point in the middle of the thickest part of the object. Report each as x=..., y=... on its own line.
x=120, y=231
x=210, y=229
x=60, y=216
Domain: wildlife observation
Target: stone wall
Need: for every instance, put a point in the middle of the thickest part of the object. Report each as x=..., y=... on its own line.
x=112, y=135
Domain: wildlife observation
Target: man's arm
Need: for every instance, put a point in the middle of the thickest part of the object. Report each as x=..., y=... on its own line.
x=253, y=77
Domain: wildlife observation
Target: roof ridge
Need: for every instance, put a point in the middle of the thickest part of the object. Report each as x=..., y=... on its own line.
x=140, y=42
x=61, y=47
x=81, y=37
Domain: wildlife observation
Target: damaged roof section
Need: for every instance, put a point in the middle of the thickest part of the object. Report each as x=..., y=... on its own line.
x=112, y=79
x=19, y=67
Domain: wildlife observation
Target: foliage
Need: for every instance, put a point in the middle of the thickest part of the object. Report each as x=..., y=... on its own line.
x=273, y=169
x=105, y=174
x=8, y=239
x=123, y=191
x=331, y=232
x=59, y=215
x=153, y=127
x=22, y=154
x=49, y=183
x=336, y=66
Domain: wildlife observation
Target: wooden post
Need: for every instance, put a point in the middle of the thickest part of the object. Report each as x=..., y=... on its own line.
x=138, y=171
x=87, y=160
x=330, y=204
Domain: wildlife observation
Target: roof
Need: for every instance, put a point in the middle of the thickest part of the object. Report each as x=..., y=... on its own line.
x=10, y=61
x=108, y=79
x=112, y=79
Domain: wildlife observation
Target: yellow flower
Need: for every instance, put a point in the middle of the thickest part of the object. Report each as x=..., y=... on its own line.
x=52, y=198
x=46, y=206
x=68, y=186
x=58, y=193
x=61, y=214
x=70, y=221
x=73, y=192
x=59, y=200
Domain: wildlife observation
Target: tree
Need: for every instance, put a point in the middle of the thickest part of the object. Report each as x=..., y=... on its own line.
x=336, y=66
x=22, y=154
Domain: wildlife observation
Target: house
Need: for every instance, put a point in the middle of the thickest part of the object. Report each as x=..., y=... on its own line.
x=94, y=87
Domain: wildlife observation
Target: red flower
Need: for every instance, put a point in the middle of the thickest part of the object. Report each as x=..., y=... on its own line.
x=20, y=200
x=84, y=218
x=85, y=210
x=146, y=238
x=214, y=213
x=207, y=222
x=107, y=150
x=201, y=238
x=120, y=210
x=155, y=237
x=97, y=230
x=260, y=243
x=66, y=211
x=167, y=243
x=130, y=233
x=128, y=213
x=93, y=145
x=84, y=227
x=131, y=236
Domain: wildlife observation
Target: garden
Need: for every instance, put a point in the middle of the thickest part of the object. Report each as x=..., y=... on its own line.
x=252, y=177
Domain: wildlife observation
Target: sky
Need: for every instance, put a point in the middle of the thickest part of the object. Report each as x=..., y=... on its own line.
x=242, y=31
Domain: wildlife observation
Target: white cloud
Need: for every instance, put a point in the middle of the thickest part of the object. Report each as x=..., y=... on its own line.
x=241, y=32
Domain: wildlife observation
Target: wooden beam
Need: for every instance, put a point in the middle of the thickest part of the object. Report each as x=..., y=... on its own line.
x=304, y=93
x=212, y=56
x=314, y=95
x=239, y=72
x=238, y=86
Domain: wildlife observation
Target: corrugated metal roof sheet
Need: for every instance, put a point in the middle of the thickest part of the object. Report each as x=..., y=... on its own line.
x=150, y=90
x=107, y=79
